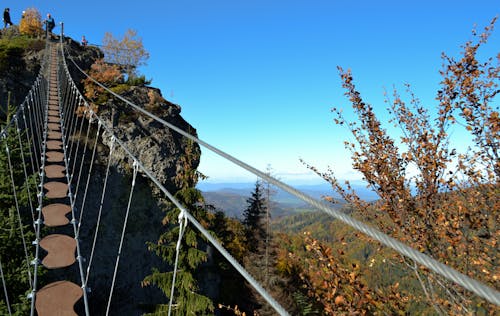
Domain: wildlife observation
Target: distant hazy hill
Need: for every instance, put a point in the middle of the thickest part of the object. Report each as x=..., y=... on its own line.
x=231, y=197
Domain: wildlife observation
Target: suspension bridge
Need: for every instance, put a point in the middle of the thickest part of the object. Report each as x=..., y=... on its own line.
x=47, y=121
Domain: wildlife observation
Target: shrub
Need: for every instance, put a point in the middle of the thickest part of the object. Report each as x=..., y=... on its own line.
x=140, y=81
x=31, y=23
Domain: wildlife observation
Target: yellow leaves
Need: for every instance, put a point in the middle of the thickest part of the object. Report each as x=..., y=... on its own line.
x=31, y=23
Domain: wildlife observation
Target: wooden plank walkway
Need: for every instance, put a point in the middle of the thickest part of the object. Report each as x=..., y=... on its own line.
x=57, y=298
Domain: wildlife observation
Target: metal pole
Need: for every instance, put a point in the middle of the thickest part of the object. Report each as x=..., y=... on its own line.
x=62, y=32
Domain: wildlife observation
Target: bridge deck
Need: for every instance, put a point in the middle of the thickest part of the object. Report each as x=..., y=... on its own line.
x=57, y=298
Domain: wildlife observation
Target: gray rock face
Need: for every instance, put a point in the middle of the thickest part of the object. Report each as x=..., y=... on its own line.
x=157, y=147
x=160, y=151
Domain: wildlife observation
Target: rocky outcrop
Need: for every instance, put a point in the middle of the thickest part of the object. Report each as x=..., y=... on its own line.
x=158, y=148
x=19, y=66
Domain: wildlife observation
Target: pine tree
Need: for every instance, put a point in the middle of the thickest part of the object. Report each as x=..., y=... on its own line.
x=188, y=299
x=254, y=218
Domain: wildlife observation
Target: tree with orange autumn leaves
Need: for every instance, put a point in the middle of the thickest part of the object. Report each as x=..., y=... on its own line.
x=450, y=207
x=31, y=23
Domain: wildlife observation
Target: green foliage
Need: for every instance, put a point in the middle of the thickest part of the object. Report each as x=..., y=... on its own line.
x=139, y=81
x=304, y=304
x=12, y=254
x=190, y=302
x=187, y=296
x=12, y=50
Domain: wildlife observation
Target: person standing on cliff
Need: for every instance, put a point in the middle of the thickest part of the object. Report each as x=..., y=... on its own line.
x=6, y=18
x=50, y=23
x=84, y=41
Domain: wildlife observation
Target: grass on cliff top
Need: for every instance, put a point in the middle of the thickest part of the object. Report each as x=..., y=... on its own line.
x=12, y=48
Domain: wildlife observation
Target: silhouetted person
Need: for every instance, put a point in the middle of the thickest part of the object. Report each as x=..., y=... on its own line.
x=6, y=18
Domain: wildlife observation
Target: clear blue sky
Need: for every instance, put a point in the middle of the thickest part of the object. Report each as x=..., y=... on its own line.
x=258, y=78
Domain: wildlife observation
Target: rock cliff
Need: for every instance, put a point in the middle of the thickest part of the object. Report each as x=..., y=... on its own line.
x=158, y=148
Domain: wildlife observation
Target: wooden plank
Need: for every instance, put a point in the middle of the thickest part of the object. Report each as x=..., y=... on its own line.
x=55, y=214
x=55, y=171
x=58, y=299
x=56, y=190
x=60, y=251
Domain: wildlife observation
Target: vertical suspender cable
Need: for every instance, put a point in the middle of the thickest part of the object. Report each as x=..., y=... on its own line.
x=5, y=289
x=26, y=179
x=100, y=209
x=75, y=154
x=18, y=213
x=28, y=131
x=33, y=134
x=82, y=160
x=82, y=207
x=135, y=166
x=182, y=226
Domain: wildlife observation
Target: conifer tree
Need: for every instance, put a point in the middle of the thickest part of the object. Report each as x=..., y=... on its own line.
x=254, y=218
x=188, y=299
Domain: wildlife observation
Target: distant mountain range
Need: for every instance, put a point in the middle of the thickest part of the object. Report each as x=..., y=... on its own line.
x=231, y=197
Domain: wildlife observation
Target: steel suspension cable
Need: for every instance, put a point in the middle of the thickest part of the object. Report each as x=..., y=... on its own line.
x=21, y=229
x=32, y=139
x=75, y=154
x=125, y=221
x=182, y=226
x=72, y=122
x=459, y=278
x=204, y=232
x=26, y=179
x=82, y=160
x=5, y=289
x=28, y=130
x=100, y=208
x=82, y=207
x=37, y=119
x=33, y=131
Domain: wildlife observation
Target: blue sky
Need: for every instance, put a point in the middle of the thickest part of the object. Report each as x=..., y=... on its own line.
x=258, y=78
